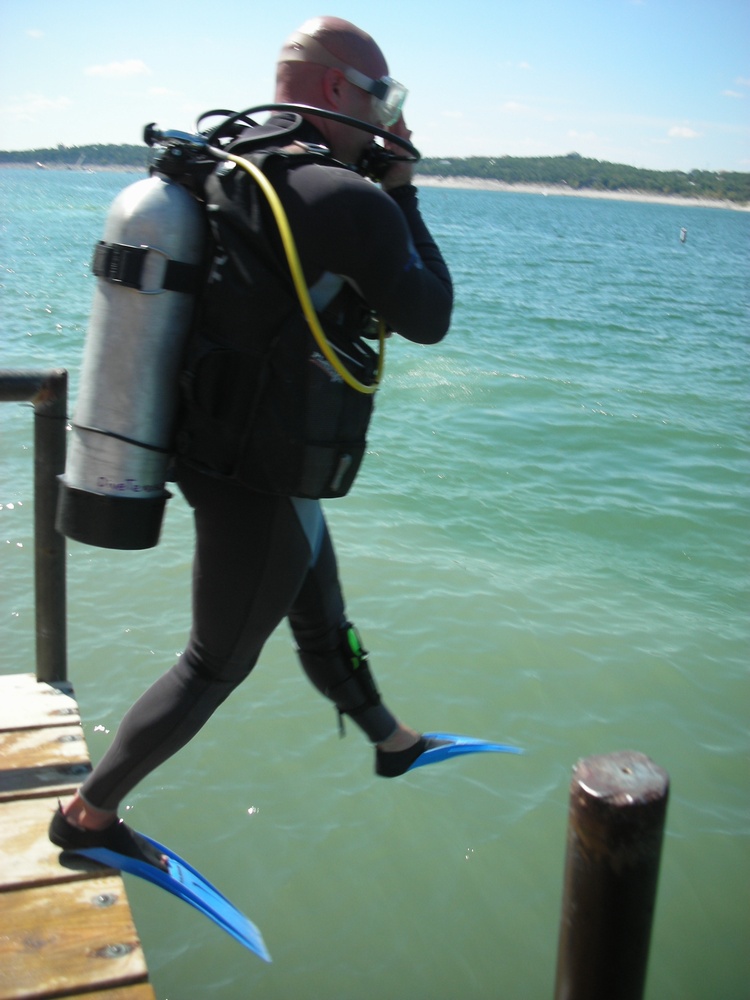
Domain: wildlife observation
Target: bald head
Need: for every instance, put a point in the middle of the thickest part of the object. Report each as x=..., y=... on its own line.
x=335, y=42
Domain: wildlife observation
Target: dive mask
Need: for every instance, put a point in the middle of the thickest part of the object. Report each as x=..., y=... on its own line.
x=388, y=95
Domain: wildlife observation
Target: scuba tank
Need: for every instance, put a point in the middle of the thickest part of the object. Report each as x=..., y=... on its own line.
x=148, y=269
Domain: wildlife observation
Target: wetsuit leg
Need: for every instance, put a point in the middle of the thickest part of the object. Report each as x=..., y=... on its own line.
x=328, y=646
x=252, y=555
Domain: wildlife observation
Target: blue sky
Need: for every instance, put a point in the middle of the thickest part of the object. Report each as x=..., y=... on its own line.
x=653, y=83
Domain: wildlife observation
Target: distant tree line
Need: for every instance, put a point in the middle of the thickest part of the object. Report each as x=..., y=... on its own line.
x=97, y=155
x=580, y=173
x=573, y=170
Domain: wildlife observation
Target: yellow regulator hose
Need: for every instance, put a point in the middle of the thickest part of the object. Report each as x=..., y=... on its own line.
x=300, y=284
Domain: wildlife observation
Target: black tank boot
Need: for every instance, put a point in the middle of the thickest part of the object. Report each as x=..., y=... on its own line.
x=392, y=763
x=343, y=675
x=117, y=837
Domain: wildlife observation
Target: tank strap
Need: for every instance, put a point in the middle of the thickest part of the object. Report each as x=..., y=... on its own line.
x=123, y=265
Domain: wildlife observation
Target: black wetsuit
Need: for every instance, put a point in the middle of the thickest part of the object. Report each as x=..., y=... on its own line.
x=260, y=558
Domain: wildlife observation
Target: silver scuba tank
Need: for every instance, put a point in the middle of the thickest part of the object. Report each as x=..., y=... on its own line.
x=148, y=269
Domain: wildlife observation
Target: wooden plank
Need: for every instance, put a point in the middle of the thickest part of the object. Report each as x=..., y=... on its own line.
x=27, y=858
x=65, y=922
x=67, y=937
x=49, y=761
x=27, y=704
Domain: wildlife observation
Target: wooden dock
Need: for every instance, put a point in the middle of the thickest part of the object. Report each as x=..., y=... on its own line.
x=66, y=929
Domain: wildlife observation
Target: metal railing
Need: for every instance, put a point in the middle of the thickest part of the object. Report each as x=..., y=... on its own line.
x=48, y=392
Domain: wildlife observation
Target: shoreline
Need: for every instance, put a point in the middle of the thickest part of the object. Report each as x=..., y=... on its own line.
x=461, y=183
x=97, y=168
x=563, y=190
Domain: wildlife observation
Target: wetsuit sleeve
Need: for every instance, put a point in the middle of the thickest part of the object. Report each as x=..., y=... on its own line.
x=377, y=241
x=434, y=281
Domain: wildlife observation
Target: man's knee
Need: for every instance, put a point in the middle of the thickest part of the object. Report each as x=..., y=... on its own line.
x=342, y=674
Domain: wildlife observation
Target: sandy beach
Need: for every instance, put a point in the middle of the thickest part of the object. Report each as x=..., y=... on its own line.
x=565, y=191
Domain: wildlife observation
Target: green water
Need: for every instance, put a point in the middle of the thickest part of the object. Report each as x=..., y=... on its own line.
x=548, y=546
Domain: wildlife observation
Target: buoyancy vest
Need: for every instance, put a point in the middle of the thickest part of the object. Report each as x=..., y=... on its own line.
x=259, y=402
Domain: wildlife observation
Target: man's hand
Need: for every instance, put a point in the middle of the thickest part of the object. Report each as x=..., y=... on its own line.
x=399, y=173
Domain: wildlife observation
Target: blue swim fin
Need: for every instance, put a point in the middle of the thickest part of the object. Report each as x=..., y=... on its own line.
x=184, y=881
x=452, y=745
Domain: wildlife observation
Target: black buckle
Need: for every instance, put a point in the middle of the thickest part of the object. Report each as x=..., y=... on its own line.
x=119, y=263
x=123, y=265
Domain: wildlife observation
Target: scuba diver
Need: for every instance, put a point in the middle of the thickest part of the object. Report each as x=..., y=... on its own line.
x=263, y=550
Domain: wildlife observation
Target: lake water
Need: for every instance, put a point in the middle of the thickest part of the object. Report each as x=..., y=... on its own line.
x=548, y=545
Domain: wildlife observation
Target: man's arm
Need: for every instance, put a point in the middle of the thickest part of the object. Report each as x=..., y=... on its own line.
x=378, y=241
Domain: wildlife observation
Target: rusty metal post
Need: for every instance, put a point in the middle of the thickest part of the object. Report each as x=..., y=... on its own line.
x=48, y=391
x=50, y=422
x=618, y=805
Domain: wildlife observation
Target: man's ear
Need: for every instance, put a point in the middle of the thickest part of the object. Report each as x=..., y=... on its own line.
x=333, y=80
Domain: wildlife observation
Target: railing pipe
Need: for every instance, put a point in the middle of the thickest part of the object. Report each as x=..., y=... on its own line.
x=48, y=392
x=618, y=805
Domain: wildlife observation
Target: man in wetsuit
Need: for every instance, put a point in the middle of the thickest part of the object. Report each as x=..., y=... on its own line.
x=262, y=557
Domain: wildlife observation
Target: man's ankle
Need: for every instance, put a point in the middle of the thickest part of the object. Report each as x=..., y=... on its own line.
x=79, y=813
x=402, y=739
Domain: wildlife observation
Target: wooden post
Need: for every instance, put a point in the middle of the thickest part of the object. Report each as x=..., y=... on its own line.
x=50, y=423
x=48, y=391
x=618, y=805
